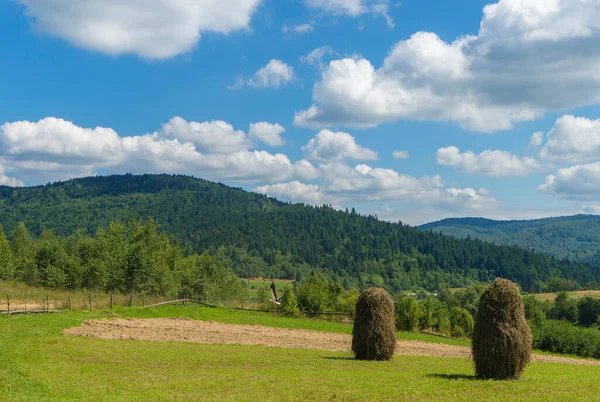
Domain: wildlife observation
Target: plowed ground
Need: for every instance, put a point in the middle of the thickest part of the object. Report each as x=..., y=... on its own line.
x=207, y=332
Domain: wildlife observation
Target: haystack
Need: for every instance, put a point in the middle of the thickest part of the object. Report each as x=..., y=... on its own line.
x=502, y=338
x=374, y=332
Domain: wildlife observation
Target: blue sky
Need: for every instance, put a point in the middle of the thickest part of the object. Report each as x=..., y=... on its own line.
x=306, y=100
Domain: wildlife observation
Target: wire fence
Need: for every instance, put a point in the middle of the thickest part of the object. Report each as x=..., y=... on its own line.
x=92, y=301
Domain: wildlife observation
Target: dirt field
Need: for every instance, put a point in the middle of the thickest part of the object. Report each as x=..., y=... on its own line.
x=188, y=330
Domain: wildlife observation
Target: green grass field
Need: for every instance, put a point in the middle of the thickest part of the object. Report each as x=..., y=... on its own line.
x=38, y=363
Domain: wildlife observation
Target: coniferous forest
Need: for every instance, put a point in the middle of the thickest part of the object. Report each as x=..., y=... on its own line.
x=259, y=236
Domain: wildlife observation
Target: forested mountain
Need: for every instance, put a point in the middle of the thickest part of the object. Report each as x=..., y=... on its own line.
x=262, y=236
x=574, y=237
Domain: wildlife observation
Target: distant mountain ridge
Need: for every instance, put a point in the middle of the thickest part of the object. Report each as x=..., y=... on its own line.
x=574, y=237
x=262, y=236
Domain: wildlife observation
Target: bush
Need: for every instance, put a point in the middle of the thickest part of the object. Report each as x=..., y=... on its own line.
x=289, y=302
x=535, y=309
x=462, y=322
x=564, y=308
x=318, y=294
x=562, y=337
x=374, y=331
x=502, y=338
x=347, y=302
x=589, y=311
x=408, y=313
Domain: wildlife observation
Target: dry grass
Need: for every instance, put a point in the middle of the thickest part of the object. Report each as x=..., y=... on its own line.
x=502, y=338
x=580, y=294
x=374, y=332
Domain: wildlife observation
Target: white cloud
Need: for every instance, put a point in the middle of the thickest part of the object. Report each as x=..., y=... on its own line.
x=297, y=29
x=401, y=154
x=294, y=191
x=344, y=184
x=579, y=182
x=528, y=58
x=268, y=133
x=58, y=149
x=273, y=75
x=152, y=29
x=573, y=140
x=591, y=209
x=334, y=146
x=9, y=181
x=536, y=140
x=489, y=163
x=316, y=56
x=353, y=8
x=52, y=137
x=215, y=136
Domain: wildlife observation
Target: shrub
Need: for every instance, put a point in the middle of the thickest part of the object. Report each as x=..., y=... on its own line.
x=564, y=308
x=347, y=301
x=502, y=338
x=562, y=337
x=462, y=322
x=408, y=313
x=589, y=311
x=535, y=309
x=289, y=302
x=374, y=332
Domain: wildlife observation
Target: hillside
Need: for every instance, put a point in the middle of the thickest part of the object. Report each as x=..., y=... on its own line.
x=262, y=236
x=574, y=237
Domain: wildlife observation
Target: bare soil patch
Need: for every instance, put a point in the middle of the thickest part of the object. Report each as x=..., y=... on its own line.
x=208, y=332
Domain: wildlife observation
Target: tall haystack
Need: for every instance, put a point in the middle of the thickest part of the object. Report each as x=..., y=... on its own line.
x=502, y=338
x=374, y=332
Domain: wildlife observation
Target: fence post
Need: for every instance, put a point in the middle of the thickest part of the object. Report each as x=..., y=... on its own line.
x=8, y=303
x=69, y=303
x=47, y=304
x=25, y=300
x=90, y=300
x=131, y=299
x=111, y=301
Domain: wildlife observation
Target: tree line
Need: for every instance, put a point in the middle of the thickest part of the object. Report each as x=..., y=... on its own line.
x=261, y=236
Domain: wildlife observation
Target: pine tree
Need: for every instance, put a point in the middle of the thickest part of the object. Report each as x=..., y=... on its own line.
x=6, y=258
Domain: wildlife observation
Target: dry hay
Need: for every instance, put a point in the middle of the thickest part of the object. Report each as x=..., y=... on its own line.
x=374, y=331
x=502, y=338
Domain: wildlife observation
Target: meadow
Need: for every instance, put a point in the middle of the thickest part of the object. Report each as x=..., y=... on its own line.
x=39, y=363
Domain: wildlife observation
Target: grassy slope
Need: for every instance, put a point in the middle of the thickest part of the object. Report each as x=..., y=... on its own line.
x=39, y=363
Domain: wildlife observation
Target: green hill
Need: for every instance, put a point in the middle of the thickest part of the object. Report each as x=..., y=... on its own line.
x=264, y=237
x=574, y=237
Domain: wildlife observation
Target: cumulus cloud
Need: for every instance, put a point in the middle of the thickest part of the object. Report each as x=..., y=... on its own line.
x=58, y=149
x=8, y=181
x=294, y=191
x=152, y=29
x=274, y=75
x=297, y=29
x=267, y=133
x=579, y=182
x=215, y=136
x=363, y=183
x=536, y=140
x=401, y=154
x=573, y=140
x=591, y=209
x=528, y=58
x=489, y=163
x=316, y=56
x=353, y=8
x=334, y=146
